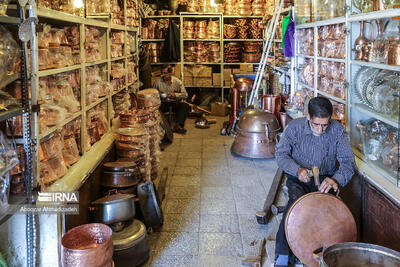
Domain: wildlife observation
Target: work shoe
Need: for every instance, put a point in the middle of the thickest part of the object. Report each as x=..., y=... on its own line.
x=179, y=129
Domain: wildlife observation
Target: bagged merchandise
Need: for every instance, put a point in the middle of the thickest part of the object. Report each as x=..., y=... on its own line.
x=10, y=56
x=96, y=123
x=118, y=73
x=332, y=41
x=70, y=151
x=117, y=12
x=299, y=98
x=121, y=102
x=307, y=72
x=7, y=101
x=50, y=115
x=331, y=78
x=306, y=41
x=132, y=14
x=8, y=160
x=117, y=44
x=97, y=7
x=3, y=7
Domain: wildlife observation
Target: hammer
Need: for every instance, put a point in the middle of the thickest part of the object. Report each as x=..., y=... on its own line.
x=256, y=261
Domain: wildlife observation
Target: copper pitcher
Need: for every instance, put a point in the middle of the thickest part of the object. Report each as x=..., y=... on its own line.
x=394, y=54
x=272, y=104
x=359, y=42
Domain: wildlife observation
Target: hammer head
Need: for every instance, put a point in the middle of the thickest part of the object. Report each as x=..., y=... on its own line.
x=252, y=261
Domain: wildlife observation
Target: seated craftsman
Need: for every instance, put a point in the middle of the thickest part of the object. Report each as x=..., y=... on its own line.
x=171, y=88
x=306, y=142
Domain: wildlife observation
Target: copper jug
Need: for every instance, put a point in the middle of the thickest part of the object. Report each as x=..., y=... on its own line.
x=359, y=42
x=272, y=104
x=394, y=54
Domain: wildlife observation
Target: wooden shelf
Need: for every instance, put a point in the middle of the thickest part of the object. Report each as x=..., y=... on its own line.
x=341, y=60
x=334, y=98
x=391, y=120
x=9, y=79
x=43, y=73
x=59, y=126
x=243, y=40
x=10, y=20
x=376, y=65
x=100, y=100
x=5, y=115
x=153, y=40
x=89, y=64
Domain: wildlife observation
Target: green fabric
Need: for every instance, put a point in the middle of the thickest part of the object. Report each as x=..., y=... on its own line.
x=285, y=24
x=2, y=261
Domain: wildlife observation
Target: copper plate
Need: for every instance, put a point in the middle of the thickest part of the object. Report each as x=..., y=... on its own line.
x=318, y=220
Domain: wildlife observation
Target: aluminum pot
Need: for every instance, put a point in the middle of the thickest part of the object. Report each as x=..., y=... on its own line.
x=113, y=208
x=256, y=135
x=88, y=245
x=357, y=254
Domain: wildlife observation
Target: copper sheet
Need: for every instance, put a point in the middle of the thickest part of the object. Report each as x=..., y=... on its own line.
x=318, y=220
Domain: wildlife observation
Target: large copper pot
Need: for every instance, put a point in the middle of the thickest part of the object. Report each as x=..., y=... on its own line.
x=272, y=104
x=256, y=135
x=88, y=245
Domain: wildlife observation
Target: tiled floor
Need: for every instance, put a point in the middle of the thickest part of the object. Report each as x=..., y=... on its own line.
x=211, y=199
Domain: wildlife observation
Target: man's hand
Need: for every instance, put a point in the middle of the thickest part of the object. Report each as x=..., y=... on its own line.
x=172, y=95
x=303, y=175
x=327, y=184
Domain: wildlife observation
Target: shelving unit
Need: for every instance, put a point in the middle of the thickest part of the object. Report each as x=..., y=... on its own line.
x=355, y=110
x=86, y=162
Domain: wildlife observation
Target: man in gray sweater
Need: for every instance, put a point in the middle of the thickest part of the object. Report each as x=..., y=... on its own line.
x=173, y=89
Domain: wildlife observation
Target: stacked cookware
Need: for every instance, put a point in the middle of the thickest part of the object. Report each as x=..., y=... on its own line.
x=256, y=27
x=213, y=30
x=230, y=7
x=244, y=7
x=232, y=52
x=242, y=28
x=200, y=28
x=117, y=210
x=252, y=52
x=188, y=29
x=196, y=51
x=258, y=7
x=155, y=51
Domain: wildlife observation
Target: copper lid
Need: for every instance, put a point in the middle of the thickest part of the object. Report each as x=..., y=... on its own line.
x=255, y=121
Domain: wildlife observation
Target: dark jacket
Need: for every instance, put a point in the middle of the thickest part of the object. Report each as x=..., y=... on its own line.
x=171, y=51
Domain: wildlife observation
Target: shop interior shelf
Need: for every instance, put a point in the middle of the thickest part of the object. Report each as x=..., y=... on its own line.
x=322, y=23
x=89, y=64
x=5, y=115
x=341, y=60
x=59, y=126
x=100, y=100
x=117, y=58
x=10, y=20
x=81, y=170
x=376, y=65
x=334, y=98
x=243, y=40
x=306, y=86
x=393, y=121
x=153, y=40
x=161, y=17
x=9, y=79
x=202, y=63
x=42, y=73
x=306, y=56
x=199, y=86
x=15, y=202
x=235, y=16
x=118, y=27
x=241, y=63
x=287, y=72
x=199, y=40
x=388, y=13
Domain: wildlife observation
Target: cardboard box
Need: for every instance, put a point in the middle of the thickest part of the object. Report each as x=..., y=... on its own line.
x=217, y=79
x=177, y=71
x=227, y=83
x=202, y=71
x=236, y=71
x=188, y=80
x=219, y=109
x=202, y=81
x=188, y=71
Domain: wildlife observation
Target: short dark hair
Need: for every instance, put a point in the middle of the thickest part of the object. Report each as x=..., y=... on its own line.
x=320, y=107
x=169, y=66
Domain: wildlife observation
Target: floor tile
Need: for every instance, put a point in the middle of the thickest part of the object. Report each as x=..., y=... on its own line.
x=215, y=206
x=219, y=223
x=224, y=244
x=178, y=244
x=244, y=180
x=182, y=205
x=187, y=170
x=252, y=233
x=217, y=193
x=214, y=156
x=220, y=261
x=189, y=191
x=152, y=240
x=243, y=171
x=216, y=171
x=189, y=155
x=191, y=148
x=210, y=181
x=184, y=180
x=212, y=163
x=249, y=199
x=188, y=222
x=189, y=163
x=176, y=261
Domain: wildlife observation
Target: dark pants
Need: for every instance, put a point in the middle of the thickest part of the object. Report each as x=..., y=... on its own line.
x=296, y=189
x=180, y=109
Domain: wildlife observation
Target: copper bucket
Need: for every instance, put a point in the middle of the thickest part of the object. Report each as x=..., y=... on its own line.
x=88, y=245
x=272, y=104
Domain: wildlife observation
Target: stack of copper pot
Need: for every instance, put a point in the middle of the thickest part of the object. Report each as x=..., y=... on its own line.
x=214, y=54
x=196, y=51
x=200, y=28
x=230, y=8
x=188, y=29
x=149, y=100
x=229, y=31
x=244, y=7
x=242, y=28
x=255, y=28
x=252, y=52
x=258, y=7
x=192, y=6
x=213, y=30
x=232, y=52
x=155, y=51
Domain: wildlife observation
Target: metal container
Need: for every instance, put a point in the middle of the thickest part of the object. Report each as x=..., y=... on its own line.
x=256, y=134
x=130, y=245
x=119, y=179
x=394, y=54
x=88, y=245
x=357, y=254
x=113, y=208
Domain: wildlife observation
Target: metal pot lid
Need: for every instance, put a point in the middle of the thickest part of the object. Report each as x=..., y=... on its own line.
x=318, y=220
x=112, y=198
x=244, y=84
x=254, y=121
x=132, y=131
x=119, y=166
x=130, y=236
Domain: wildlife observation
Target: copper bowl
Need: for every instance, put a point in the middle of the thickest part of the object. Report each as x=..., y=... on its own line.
x=244, y=84
x=88, y=245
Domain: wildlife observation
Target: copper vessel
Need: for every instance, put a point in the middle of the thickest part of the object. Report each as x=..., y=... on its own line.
x=359, y=42
x=256, y=135
x=87, y=245
x=394, y=54
x=272, y=104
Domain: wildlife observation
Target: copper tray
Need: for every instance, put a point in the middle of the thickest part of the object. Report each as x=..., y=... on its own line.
x=318, y=220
